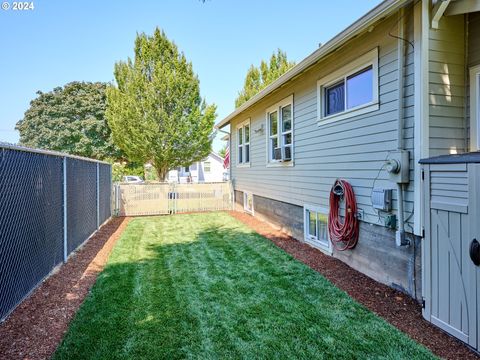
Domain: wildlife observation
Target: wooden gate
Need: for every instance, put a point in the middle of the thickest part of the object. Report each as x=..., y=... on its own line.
x=449, y=276
x=165, y=198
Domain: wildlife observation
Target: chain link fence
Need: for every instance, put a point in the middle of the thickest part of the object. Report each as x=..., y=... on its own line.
x=50, y=204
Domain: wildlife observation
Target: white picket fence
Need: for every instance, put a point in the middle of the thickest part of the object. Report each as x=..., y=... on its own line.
x=165, y=198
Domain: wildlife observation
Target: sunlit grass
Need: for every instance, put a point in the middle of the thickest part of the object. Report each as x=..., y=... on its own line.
x=204, y=286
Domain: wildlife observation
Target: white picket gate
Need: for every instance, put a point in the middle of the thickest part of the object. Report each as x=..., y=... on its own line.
x=167, y=198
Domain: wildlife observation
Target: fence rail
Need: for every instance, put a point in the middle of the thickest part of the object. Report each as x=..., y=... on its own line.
x=162, y=199
x=50, y=203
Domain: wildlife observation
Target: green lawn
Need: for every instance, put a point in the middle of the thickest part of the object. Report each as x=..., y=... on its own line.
x=205, y=286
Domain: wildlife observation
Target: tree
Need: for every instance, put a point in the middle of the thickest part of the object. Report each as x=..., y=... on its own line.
x=155, y=110
x=259, y=77
x=70, y=119
x=223, y=151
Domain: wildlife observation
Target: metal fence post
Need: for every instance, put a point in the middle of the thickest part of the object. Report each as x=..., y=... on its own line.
x=65, y=233
x=175, y=194
x=117, y=199
x=98, y=196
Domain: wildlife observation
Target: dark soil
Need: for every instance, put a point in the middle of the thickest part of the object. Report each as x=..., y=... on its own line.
x=395, y=307
x=36, y=327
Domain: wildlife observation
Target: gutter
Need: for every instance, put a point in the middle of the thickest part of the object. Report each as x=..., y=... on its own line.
x=361, y=25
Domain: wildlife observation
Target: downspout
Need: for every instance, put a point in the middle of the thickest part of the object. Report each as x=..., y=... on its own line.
x=400, y=236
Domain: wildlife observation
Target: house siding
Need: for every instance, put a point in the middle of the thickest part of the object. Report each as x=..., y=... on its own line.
x=447, y=91
x=354, y=149
x=473, y=58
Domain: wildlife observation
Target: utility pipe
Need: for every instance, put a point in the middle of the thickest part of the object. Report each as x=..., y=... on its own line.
x=400, y=235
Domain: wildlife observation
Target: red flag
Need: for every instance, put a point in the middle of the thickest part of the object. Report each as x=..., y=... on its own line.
x=226, y=161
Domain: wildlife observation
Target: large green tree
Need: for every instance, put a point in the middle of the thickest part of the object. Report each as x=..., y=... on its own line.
x=70, y=119
x=259, y=77
x=155, y=109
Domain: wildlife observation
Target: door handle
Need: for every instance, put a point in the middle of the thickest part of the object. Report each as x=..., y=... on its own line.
x=475, y=252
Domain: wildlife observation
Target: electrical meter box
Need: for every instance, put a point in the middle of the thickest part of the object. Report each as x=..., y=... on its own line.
x=398, y=166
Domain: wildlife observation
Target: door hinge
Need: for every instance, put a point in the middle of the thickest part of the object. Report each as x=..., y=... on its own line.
x=423, y=303
x=423, y=233
x=423, y=175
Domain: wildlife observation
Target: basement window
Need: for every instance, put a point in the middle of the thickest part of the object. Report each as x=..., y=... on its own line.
x=248, y=203
x=279, y=119
x=349, y=91
x=243, y=141
x=316, y=228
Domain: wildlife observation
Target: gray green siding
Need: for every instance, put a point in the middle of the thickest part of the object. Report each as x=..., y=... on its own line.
x=353, y=148
x=447, y=91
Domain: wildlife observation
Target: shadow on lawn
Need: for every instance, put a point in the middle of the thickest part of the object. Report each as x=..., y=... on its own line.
x=224, y=292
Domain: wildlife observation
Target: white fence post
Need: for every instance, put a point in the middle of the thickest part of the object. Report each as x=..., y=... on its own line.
x=65, y=233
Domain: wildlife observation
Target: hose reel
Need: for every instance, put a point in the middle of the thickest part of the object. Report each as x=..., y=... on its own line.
x=344, y=235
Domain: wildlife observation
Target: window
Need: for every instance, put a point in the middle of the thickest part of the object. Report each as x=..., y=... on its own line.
x=475, y=108
x=207, y=166
x=349, y=91
x=187, y=169
x=248, y=203
x=243, y=138
x=273, y=126
x=280, y=133
x=316, y=228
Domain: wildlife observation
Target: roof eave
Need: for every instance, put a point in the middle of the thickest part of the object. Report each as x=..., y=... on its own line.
x=381, y=10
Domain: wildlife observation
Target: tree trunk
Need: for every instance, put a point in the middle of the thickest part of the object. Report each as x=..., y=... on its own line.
x=162, y=172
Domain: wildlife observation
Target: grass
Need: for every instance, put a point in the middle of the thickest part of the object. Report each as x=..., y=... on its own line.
x=204, y=286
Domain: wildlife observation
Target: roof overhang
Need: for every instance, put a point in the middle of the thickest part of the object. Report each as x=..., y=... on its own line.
x=458, y=7
x=360, y=26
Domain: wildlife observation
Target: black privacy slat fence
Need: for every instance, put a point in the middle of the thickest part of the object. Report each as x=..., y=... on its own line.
x=81, y=201
x=50, y=203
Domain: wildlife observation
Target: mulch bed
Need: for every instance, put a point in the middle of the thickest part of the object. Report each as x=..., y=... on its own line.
x=36, y=327
x=397, y=308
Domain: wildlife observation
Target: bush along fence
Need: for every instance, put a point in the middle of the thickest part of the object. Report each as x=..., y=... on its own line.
x=50, y=203
x=171, y=198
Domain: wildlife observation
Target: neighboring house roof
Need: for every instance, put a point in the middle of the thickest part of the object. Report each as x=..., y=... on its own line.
x=214, y=154
x=363, y=24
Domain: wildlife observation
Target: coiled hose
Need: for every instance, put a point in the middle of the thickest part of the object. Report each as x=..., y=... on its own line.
x=344, y=235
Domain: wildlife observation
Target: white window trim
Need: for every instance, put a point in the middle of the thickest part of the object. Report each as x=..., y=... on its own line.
x=316, y=244
x=475, y=108
x=370, y=58
x=241, y=125
x=245, y=197
x=277, y=107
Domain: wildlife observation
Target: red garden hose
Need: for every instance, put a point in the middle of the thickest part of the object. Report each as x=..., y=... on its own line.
x=344, y=235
